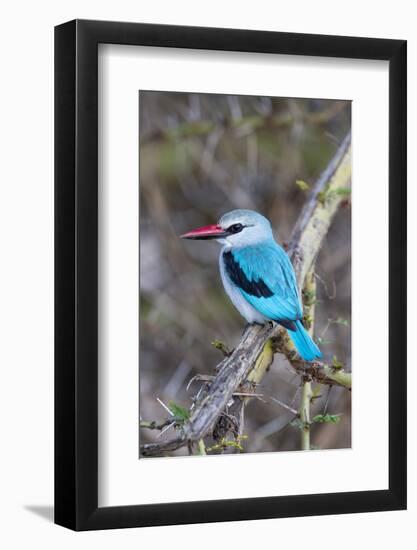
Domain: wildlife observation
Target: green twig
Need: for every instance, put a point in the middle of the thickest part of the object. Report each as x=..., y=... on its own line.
x=309, y=293
x=201, y=448
x=306, y=395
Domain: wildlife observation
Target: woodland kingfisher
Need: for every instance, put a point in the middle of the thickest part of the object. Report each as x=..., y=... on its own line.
x=257, y=274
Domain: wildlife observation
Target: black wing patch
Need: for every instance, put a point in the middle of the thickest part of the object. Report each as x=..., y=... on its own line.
x=289, y=325
x=238, y=277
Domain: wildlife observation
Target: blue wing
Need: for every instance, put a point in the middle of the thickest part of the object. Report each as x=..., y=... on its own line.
x=265, y=277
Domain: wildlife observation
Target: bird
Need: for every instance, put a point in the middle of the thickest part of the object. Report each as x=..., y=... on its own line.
x=258, y=276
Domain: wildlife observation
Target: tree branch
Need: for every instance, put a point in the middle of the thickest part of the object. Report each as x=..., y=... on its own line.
x=304, y=414
x=154, y=425
x=318, y=212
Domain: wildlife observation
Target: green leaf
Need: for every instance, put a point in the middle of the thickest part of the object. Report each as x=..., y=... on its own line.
x=309, y=297
x=181, y=413
x=302, y=185
x=327, y=418
x=231, y=443
x=344, y=191
x=221, y=346
x=224, y=443
x=329, y=194
x=321, y=197
x=297, y=423
x=336, y=364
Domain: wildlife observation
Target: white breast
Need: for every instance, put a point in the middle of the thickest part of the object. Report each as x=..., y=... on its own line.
x=244, y=308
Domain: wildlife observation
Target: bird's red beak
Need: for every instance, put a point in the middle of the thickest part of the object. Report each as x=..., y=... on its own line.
x=206, y=232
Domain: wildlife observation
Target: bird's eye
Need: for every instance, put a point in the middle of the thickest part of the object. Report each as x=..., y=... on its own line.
x=235, y=228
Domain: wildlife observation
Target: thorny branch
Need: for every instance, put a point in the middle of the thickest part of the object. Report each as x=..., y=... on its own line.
x=252, y=357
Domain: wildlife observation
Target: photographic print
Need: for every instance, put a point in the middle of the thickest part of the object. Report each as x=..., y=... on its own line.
x=245, y=274
x=204, y=264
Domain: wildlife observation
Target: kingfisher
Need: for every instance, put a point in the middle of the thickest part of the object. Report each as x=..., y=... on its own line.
x=257, y=275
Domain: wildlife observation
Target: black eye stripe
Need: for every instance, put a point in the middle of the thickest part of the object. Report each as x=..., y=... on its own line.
x=235, y=228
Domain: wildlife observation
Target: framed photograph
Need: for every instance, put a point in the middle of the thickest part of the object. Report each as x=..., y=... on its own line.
x=230, y=247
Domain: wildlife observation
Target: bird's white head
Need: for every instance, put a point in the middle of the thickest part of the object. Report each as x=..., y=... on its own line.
x=236, y=229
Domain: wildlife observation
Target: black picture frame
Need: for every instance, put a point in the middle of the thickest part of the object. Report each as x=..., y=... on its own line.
x=76, y=272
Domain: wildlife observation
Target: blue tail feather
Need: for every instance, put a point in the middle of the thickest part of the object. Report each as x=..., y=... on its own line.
x=303, y=342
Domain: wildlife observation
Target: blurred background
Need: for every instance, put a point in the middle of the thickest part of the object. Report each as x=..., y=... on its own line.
x=202, y=155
